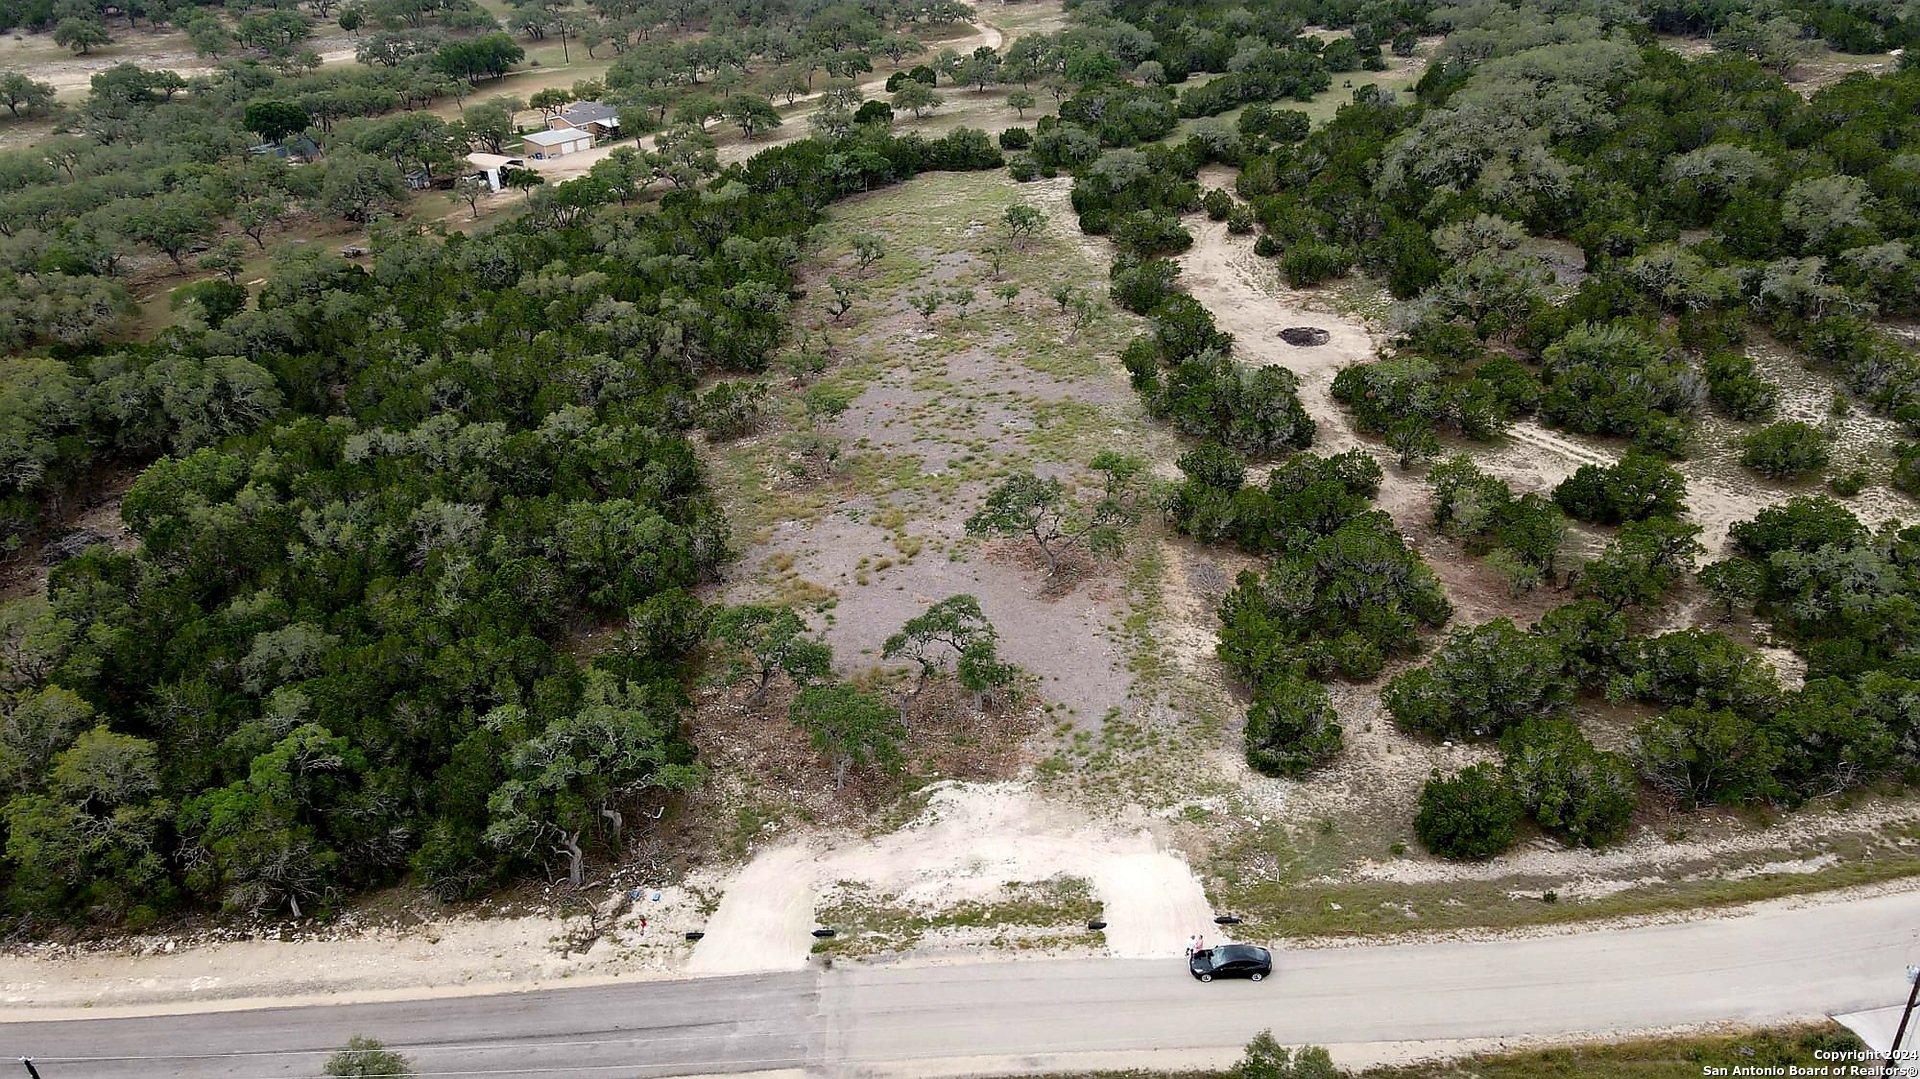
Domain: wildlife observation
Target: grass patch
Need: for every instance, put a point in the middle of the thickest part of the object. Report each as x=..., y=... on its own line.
x=1069, y=430
x=869, y=924
x=1676, y=1057
x=1277, y=882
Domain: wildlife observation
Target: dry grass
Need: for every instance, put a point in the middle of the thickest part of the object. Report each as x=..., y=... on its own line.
x=1682, y=1056
x=1027, y=915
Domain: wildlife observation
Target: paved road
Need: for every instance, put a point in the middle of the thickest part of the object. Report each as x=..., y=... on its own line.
x=1036, y=1015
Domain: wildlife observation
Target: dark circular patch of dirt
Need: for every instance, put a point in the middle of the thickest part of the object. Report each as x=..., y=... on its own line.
x=1304, y=336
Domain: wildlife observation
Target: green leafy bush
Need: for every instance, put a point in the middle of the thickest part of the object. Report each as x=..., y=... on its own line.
x=1735, y=385
x=1707, y=756
x=1337, y=604
x=1142, y=285
x=1906, y=468
x=1291, y=727
x=1481, y=511
x=1482, y=680
x=1638, y=487
x=1313, y=262
x=1571, y=789
x=1305, y=496
x=1611, y=379
x=1470, y=815
x=1644, y=562
x=1786, y=450
x=1146, y=234
x=1263, y=121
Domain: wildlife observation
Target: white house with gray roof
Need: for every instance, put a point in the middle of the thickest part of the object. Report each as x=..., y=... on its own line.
x=603, y=121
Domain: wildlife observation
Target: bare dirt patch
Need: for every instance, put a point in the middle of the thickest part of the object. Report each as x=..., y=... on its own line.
x=487, y=947
x=941, y=408
x=969, y=845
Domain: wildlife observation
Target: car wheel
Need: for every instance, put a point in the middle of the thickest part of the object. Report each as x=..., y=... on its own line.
x=1256, y=976
x=1206, y=977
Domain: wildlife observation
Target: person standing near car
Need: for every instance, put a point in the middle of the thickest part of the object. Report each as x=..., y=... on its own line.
x=1193, y=944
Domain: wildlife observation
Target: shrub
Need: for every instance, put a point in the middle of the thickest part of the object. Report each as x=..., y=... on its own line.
x=1786, y=450
x=1266, y=246
x=1217, y=203
x=1481, y=681
x=1906, y=468
x=1663, y=435
x=1638, y=487
x=1023, y=168
x=1470, y=815
x=367, y=1057
x=1734, y=582
x=1291, y=727
x=1313, y=262
x=1645, y=561
x=1268, y=1059
x=1830, y=740
x=1699, y=666
x=1145, y=233
x=1240, y=220
x=1261, y=120
x=1360, y=580
x=1482, y=513
x=1208, y=396
x=1141, y=286
x=1736, y=388
x=1571, y=789
x=732, y=409
x=1707, y=756
x=1613, y=380
x=1183, y=328
x=1016, y=138
x=1595, y=643
x=1801, y=524
x=1305, y=496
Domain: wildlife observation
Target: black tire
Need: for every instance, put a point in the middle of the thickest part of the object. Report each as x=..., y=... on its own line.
x=1206, y=977
x=1256, y=976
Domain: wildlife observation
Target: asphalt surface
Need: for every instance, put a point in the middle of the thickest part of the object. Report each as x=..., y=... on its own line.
x=1780, y=964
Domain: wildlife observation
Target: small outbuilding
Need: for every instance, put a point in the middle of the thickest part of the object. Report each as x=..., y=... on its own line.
x=297, y=148
x=545, y=144
x=599, y=120
x=493, y=168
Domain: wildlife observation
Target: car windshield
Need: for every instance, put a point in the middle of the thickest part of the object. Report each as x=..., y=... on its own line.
x=1234, y=953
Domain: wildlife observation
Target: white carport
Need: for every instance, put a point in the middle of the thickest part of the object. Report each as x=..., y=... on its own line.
x=494, y=167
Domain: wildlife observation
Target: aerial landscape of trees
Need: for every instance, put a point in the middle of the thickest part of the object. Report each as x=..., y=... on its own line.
x=1590, y=136
x=419, y=546
x=384, y=497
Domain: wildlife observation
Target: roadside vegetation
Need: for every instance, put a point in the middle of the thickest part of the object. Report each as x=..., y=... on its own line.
x=1673, y=1057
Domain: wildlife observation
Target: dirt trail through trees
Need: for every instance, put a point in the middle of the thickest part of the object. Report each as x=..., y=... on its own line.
x=1248, y=300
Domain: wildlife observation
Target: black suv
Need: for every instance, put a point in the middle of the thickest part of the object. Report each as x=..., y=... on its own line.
x=1231, y=961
